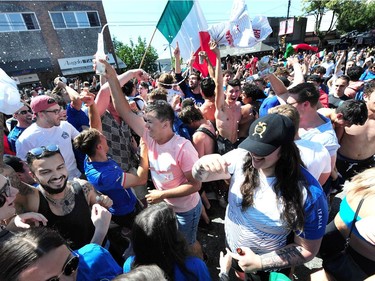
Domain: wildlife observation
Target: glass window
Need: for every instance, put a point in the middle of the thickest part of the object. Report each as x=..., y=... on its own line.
x=58, y=20
x=16, y=22
x=93, y=19
x=82, y=19
x=70, y=19
x=30, y=21
x=4, y=24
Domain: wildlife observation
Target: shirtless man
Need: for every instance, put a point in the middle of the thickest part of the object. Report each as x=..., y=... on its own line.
x=350, y=112
x=208, y=93
x=228, y=109
x=358, y=142
x=250, y=93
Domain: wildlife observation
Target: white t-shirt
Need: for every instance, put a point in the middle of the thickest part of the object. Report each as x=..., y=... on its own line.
x=260, y=226
x=329, y=66
x=315, y=157
x=171, y=93
x=35, y=136
x=323, y=134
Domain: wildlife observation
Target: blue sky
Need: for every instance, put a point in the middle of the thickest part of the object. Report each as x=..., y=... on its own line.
x=130, y=18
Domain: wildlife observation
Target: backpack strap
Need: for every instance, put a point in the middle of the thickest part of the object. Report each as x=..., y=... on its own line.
x=207, y=132
x=353, y=222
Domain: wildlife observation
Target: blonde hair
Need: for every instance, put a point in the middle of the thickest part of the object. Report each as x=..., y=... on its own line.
x=287, y=110
x=363, y=183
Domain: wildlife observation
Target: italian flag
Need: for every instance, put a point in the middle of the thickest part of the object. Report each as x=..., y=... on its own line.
x=183, y=21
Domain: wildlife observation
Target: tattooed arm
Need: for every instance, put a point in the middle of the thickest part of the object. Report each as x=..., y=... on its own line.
x=27, y=198
x=297, y=253
x=92, y=196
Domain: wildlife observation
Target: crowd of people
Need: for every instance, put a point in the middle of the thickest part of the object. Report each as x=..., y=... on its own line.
x=132, y=158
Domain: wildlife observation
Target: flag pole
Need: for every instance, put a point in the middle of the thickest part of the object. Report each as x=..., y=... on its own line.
x=148, y=47
x=152, y=37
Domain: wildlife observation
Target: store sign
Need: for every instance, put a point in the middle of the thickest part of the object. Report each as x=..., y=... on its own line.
x=78, y=62
x=76, y=65
x=25, y=79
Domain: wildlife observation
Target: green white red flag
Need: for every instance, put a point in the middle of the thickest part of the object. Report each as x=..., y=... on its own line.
x=181, y=22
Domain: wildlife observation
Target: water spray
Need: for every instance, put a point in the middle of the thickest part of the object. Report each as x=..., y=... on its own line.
x=100, y=54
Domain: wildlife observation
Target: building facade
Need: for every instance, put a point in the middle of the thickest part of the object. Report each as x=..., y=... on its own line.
x=42, y=39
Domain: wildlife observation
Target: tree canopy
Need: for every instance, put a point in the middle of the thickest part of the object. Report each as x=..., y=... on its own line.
x=351, y=14
x=132, y=54
x=356, y=15
x=319, y=8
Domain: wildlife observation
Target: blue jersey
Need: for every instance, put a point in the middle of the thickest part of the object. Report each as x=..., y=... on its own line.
x=108, y=178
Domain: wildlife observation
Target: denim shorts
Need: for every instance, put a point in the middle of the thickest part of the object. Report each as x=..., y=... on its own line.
x=188, y=223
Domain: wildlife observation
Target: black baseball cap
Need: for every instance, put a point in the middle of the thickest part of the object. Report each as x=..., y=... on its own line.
x=268, y=133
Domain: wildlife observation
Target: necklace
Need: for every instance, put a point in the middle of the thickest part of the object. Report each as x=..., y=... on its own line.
x=67, y=200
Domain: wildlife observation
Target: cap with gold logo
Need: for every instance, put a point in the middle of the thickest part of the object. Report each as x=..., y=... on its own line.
x=268, y=133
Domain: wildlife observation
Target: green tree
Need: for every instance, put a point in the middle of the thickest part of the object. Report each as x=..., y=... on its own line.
x=319, y=8
x=132, y=54
x=351, y=15
x=356, y=15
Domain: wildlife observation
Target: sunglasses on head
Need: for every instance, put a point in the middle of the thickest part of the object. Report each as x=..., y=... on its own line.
x=39, y=151
x=69, y=267
x=24, y=112
x=4, y=193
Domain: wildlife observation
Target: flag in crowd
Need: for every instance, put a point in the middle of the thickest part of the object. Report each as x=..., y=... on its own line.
x=204, y=38
x=240, y=31
x=237, y=32
x=181, y=21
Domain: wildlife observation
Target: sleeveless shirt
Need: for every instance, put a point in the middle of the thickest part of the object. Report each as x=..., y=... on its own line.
x=76, y=227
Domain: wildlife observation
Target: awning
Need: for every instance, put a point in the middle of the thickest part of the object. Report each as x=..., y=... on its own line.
x=260, y=47
x=22, y=67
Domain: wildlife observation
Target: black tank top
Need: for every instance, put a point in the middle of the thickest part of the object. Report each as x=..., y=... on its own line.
x=76, y=227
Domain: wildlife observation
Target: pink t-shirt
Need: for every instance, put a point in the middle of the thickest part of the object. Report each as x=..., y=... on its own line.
x=168, y=163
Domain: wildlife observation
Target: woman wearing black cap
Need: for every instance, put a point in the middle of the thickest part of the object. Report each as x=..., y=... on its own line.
x=277, y=211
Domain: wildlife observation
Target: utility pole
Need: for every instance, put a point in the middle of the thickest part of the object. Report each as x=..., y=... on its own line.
x=286, y=23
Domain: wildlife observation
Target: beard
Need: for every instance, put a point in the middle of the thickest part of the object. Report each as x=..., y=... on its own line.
x=193, y=87
x=51, y=190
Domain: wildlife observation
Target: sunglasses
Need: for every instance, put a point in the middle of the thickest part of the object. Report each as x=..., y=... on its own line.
x=39, y=151
x=4, y=193
x=69, y=267
x=56, y=111
x=24, y=112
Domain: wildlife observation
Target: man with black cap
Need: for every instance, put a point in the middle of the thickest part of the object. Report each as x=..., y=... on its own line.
x=272, y=199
